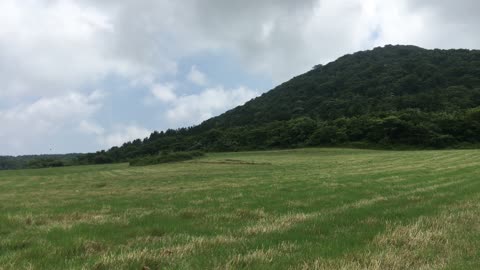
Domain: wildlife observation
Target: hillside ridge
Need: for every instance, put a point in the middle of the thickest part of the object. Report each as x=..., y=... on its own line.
x=388, y=97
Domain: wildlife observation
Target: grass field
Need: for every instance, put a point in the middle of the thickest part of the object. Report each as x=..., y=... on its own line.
x=296, y=209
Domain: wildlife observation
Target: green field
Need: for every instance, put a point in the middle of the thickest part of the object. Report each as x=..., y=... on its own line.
x=295, y=209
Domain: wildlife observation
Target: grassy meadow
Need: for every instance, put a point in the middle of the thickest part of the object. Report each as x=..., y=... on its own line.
x=292, y=209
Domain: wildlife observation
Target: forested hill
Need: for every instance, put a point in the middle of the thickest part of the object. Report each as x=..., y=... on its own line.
x=387, y=97
x=383, y=80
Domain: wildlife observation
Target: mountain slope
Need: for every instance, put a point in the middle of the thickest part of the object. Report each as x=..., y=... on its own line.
x=385, y=79
x=394, y=95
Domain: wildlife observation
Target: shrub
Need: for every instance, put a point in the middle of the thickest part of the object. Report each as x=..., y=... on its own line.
x=45, y=163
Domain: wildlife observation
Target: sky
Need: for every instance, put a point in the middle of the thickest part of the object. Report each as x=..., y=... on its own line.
x=86, y=75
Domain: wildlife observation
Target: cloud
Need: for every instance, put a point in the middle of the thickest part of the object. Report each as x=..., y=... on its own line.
x=445, y=24
x=197, y=77
x=279, y=38
x=88, y=127
x=34, y=56
x=50, y=47
x=123, y=134
x=117, y=136
x=48, y=113
x=286, y=38
x=192, y=109
x=164, y=92
x=54, y=53
x=30, y=124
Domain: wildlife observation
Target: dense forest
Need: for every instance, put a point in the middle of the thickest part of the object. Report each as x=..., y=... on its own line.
x=388, y=97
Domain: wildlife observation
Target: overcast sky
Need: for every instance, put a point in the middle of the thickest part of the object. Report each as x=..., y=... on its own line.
x=85, y=75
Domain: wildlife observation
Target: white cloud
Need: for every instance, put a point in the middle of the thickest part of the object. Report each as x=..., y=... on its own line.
x=48, y=113
x=117, y=136
x=88, y=127
x=164, y=92
x=47, y=47
x=53, y=52
x=197, y=77
x=279, y=38
x=34, y=56
x=30, y=124
x=123, y=134
x=192, y=109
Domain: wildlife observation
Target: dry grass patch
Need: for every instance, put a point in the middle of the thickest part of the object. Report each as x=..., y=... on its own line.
x=67, y=221
x=258, y=256
x=285, y=222
x=246, y=214
x=173, y=251
x=428, y=243
x=298, y=203
x=389, y=179
x=276, y=224
x=191, y=213
x=91, y=248
x=255, y=256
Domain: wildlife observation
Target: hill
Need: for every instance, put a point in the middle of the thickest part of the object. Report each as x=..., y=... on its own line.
x=383, y=80
x=391, y=96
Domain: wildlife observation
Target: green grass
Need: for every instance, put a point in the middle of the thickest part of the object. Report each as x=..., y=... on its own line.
x=295, y=209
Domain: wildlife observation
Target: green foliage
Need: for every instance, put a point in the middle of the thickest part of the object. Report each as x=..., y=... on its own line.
x=38, y=161
x=165, y=158
x=45, y=163
x=327, y=135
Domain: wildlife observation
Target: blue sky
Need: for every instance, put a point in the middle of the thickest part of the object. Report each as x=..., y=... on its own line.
x=80, y=76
